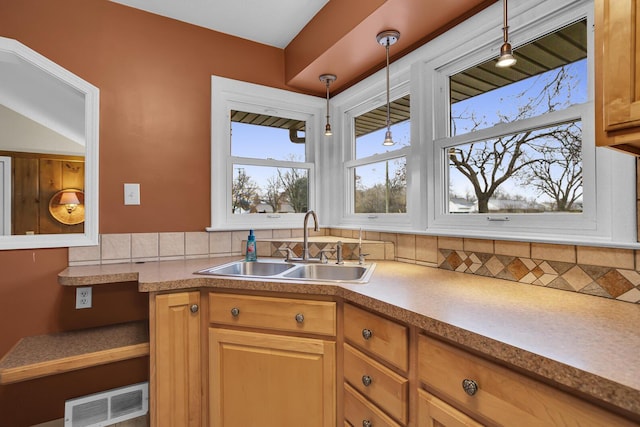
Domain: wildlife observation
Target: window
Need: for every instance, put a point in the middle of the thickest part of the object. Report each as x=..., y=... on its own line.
x=270, y=175
x=263, y=146
x=381, y=186
x=537, y=165
x=512, y=151
x=376, y=181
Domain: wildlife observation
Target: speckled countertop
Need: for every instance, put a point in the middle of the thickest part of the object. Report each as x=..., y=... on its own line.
x=585, y=343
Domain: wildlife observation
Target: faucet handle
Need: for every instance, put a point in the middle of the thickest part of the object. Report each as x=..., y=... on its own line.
x=288, y=254
x=323, y=255
x=361, y=259
x=339, y=259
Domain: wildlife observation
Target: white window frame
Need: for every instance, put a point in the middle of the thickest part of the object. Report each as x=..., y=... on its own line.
x=228, y=95
x=360, y=99
x=609, y=207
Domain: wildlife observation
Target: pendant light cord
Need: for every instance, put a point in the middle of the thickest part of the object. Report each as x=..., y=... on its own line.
x=388, y=107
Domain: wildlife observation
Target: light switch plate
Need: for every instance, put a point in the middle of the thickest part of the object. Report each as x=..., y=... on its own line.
x=131, y=194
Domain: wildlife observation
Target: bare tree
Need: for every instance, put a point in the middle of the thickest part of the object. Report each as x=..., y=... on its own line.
x=272, y=195
x=559, y=173
x=295, y=185
x=244, y=190
x=488, y=164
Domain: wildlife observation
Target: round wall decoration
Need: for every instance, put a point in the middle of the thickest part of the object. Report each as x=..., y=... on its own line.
x=67, y=206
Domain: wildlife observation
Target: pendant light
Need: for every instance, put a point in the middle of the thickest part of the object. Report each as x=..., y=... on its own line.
x=327, y=79
x=386, y=39
x=506, y=58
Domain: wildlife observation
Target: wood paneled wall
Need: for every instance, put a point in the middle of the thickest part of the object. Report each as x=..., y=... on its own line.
x=35, y=179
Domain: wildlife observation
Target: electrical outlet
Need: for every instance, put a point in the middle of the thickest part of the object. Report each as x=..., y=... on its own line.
x=83, y=297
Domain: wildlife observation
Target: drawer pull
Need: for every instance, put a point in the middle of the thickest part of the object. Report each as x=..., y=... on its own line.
x=235, y=311
x=194, y=308
x=367, y=334
x=366, y=423
x=299, y=317
x=366, y=380
x=470, y=386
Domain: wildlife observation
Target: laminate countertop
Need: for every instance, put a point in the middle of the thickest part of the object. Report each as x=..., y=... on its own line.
x=589, y=345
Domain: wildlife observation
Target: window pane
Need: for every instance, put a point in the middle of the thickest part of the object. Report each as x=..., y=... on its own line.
x=528, y=172
x=381, y=187
x=265, y=189
x=370, y=128
x=267, y=137
x=540, y=82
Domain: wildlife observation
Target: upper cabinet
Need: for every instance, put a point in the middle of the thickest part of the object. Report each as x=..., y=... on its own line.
x=617, y=62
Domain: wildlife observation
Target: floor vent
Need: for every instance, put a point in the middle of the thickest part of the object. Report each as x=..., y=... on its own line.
x=108, y=407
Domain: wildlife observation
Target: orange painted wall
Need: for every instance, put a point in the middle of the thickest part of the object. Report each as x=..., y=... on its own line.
x=154, y=76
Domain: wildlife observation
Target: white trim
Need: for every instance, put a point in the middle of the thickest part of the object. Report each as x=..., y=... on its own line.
x=609, y=201
x=5, y=196
x=10, y=47
x=227, y=95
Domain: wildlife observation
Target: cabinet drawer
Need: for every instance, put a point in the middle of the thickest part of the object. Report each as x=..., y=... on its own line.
x=434, y=412
x=382, y=337
x=503, y=396
x=358, y=410
x=282, y=314
x=384, y=387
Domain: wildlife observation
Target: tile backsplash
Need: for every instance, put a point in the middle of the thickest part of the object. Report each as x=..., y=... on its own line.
x=604, y=272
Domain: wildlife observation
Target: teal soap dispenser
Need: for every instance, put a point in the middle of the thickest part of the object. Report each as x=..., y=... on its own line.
x=251, y=254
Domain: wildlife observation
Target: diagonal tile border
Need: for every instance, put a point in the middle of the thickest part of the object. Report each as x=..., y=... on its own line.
x=607, y=282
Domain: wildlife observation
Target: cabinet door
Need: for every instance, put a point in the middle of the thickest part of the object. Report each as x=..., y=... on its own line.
x=618, y=73
x=259, y=379
x=175, y=362
x=433, y=412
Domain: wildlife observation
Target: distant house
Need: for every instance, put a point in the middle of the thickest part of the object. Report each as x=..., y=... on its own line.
x=460, y=205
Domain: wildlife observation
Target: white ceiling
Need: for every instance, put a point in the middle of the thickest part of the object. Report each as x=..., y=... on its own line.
x=270, y=22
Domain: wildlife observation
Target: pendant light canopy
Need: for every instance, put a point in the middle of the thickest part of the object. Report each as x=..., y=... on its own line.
x=327, y=79
x=506, y=58
x=386, y=39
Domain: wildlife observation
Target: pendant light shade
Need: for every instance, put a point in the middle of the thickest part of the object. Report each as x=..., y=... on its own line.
x=386, y=39
x=506, y=58
x=327, y=79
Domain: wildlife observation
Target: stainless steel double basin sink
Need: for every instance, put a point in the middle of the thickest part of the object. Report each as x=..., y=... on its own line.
x=304, y=271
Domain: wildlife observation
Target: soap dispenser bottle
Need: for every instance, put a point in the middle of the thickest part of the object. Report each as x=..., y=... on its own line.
x=251, y=254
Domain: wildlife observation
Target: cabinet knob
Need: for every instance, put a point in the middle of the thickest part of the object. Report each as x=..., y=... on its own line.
x=366, y=380
x=470, y=386
x=194, y=308
x=299, y=317
x=235, y=311
x=366, y=423
x=367, y=334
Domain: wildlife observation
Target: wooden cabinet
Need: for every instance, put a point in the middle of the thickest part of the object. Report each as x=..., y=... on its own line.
x=433, y=412
x=175, y=360
x=617, y=61
x=381, y=337
x=502, y=397
x=260, y=376
x=376, y=362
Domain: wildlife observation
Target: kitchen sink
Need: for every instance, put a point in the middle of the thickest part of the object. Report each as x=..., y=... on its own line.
x=303, y=271
x=330, y=272
x=248, y=268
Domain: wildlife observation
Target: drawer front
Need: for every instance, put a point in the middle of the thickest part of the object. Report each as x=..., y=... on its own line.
x=385, y=388
x=434, y=412
x=282, y=314
x=358, y=411
x=503, y=396
x=387, y=339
